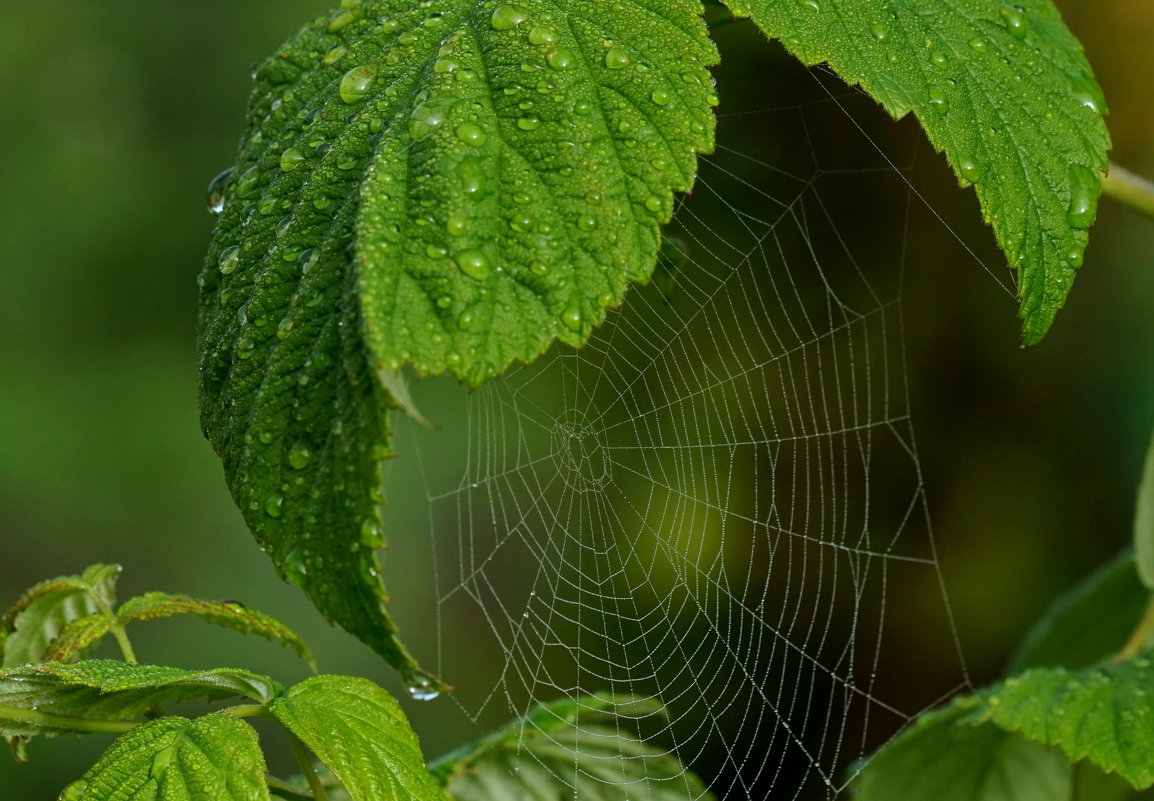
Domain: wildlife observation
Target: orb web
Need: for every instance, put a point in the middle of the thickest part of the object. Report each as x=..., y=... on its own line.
x=716, y=504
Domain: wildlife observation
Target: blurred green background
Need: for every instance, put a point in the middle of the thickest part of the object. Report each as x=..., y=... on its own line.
x=114, y=115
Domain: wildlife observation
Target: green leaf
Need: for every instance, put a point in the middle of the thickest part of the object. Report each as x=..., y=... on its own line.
x=213, y=758
x=1003, y=88
x=943, y=757
x=360, y=733
x=229, y=614
x=76, y=636
x=1088, y=624
x=587, y=749
x=34, y=621
x=106, y=690
x=1102, y=714
x=453, y=186
x=1144, y=521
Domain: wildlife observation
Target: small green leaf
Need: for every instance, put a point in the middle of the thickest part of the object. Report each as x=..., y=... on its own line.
x=587, y=749
x=229, y=614
x=360, y=733
x=1102, y=714
x=76, y=636
x=1003, y=88
x=106, y=690
x=34, y=621
x=943, y=757
x=1144, y=521
x=451, y=185
x=213, y=758
x=1088, y=624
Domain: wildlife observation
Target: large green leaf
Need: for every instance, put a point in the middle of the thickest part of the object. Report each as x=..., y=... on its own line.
x=1144, y=521
x=360, y=733
x=230, y=614
x=34, y=621
x=586, y=748
x=1003, y=88
x=943, y=757
x=450, y=185
x=214, y=758
x=110, y=691
x=1104, y=715
x=1090, y=623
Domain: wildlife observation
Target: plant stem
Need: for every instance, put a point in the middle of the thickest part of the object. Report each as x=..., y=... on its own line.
x=122, y=640
x=286, y=790
x=1139, y=637
x=1129, y=189
x=65, y=722
x=247, y=711
x=306, y=763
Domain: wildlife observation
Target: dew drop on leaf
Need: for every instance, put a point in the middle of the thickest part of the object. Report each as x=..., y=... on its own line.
x=505, y=18
x=356, y=83
x=1083, y=197
x=216, y=191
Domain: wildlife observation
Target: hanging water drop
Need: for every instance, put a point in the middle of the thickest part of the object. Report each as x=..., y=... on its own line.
x=248, y=182
x=291, y=159
x=969, y=168
x=274, y=506
x=1084, y=190
x=356, y=83
x=300, y=455
x=423, y=690
x=217, y=189
x=229, y=259
x=572, y=317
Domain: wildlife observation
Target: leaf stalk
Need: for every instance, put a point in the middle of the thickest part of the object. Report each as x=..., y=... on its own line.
x=1139, y=637
x=1129, y=189
x=64, y=722
x=306, y=763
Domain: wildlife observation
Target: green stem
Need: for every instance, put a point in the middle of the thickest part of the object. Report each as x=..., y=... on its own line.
x=1139, y=637
x=121, y=636
x=66, y=722
x=306, y=763
x=247, y=711
x=1129, y=189
x=283, y=789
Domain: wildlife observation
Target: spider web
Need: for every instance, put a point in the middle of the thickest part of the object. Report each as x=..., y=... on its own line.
x=718, y=502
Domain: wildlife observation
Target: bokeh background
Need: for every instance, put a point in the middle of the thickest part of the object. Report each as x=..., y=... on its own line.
x=114, y=115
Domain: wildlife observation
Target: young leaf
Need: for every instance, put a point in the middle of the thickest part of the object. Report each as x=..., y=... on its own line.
x=221, y=613
x=1003, y=88
x=1102, y=714
x=112, y=691
x=943, y=757
x=1088, y=624
x=360, y=733
x=450, y=185
x=34, y=621
x=215, y=757
x=585, y=749
x=76, y=636
x=1144, y=521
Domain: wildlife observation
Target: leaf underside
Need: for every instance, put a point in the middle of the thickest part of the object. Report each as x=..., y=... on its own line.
x=45, y=610
x=447, y=187
x=1002, y=88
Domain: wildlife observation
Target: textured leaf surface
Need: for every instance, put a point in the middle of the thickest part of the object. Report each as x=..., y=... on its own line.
x=942, y=757
x=231, y=615
x=1104, y=715
x=214, y=758
x=111, y=690
x=450, y=185
x=360, y=733
x=1002, y=88
x=1088, y=624
x=37, y=617
x=76, y=636
x=1144, y=521
x=586, y=749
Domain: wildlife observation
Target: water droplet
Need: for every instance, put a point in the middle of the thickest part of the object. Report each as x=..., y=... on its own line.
x=291, y=159
x=1016, y=22
x=342, y=19
x=1087, y=91
x=506, y=18
x=528, y=123
x=812, y=5
x=471, y=172
x=229, y=259
x=423, y=690
x=300, y=455
x=978, y=45
x=371, y=534
x=471, y=134
x=356, y=84
x=430, y=115
x=274, y=506
x=587, y=222
x=654, y=204
x=248, y=182
x=879, y=31
x=245, y=348
x=969, y=168
x=938, y=99
x=335, y=54
x=617, y=59
x=559, y=59
x=540, y=35
x=938, y=58
x=661, y=97
x=572, y=317
x=217, y=189
x=474, y=264
x=446, y=66
x=1084, y=189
